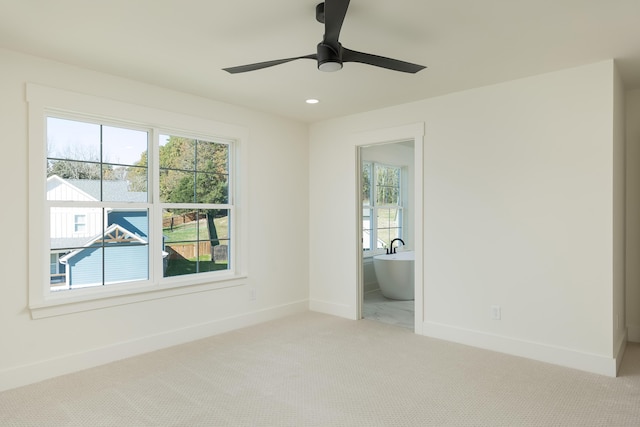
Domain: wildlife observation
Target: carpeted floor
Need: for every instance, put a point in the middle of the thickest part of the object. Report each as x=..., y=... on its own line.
x=317, y=370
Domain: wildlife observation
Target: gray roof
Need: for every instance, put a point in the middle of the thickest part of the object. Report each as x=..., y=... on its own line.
x=112, y=190
x=58, y=243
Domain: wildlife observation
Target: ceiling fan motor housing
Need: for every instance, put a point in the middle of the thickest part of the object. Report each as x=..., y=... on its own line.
x=329, y=58
x=320, y=13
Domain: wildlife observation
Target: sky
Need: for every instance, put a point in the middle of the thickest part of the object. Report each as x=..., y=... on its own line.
x=81, y=141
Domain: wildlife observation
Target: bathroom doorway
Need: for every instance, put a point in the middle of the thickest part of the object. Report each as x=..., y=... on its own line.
x=389, y=206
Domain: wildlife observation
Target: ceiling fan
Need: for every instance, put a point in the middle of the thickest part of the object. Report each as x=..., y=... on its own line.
x=330, y=53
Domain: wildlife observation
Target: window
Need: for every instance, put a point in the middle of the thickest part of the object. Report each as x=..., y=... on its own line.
x=80, y=223
x=120, y=206
x=382, y=206
x=97, y=174
x=194, y=195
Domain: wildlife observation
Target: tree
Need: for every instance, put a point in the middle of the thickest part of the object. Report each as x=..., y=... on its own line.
x=366, y=183
x=79, y=162
x=194, y=171
x=388, y=185
x=137, y=174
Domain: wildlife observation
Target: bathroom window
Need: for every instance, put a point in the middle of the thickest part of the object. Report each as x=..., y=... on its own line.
x=382, y=205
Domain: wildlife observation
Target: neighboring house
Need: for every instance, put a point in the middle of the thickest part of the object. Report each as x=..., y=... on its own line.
x=81, y=237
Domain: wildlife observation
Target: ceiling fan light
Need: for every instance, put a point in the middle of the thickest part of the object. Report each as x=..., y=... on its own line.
x=330, y=66
x=329, y=58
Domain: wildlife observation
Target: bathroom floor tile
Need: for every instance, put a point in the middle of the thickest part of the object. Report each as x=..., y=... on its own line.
x=376, y=307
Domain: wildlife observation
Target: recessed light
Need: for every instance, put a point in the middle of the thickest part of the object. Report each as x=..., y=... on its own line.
x=312, y=101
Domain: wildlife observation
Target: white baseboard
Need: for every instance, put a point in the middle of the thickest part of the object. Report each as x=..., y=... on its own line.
x=556, y=355
x=633, y=332
x=340, y=310
x=32, y=373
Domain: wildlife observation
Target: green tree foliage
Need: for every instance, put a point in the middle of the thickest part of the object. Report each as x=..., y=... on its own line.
x=137, y=174
x=191, y=171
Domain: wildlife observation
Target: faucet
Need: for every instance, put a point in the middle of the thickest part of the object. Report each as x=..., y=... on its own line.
x=391, y=249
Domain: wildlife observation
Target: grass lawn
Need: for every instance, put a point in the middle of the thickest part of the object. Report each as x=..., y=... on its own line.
x=192, y=232
x=189, y=231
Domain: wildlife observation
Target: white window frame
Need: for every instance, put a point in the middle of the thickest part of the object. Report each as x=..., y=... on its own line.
x=374, y=207
x=79, y=220
x=44, y=101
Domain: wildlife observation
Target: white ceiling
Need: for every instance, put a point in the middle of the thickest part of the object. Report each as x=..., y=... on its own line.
x=183, y=45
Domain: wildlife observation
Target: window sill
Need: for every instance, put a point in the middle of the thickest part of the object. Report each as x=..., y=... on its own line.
x=63, y=304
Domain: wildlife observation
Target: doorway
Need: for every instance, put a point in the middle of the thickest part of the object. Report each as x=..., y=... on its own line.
x=397, y=213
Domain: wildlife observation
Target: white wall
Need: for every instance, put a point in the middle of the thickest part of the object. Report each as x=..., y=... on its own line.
x=278, y=221
x=518, y=212
x=633, y=214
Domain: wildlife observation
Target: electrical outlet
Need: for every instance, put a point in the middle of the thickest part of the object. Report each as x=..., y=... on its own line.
x=253, y=294
x=496, y=312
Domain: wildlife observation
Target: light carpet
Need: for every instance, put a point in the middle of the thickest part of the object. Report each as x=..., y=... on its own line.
x=318, y=370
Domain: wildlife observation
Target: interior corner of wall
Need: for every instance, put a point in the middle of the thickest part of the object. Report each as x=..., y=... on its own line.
x=332, y=308
x=633, y=333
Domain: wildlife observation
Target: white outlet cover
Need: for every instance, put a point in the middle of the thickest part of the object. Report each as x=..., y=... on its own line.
x=496, y=312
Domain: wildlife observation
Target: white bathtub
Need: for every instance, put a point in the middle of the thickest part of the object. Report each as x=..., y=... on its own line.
x=395, y=274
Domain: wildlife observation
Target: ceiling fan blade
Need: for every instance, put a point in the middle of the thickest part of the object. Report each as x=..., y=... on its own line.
x=349, y=55
x=260, y=65
x=334, y=13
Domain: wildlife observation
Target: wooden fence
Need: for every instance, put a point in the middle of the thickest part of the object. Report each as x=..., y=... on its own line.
x=189, y=251
x=174, y=221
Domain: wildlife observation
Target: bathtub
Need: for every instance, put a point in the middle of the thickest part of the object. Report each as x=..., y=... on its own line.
x=395, y=274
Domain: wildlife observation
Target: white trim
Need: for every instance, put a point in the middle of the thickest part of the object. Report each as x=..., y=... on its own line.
x=88, y=299
x=27, y=374
x=589, y=362
x=43, y=100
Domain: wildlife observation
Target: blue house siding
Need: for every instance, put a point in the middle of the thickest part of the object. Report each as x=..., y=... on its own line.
x=85, y=268
x=121, y=264
x=137, y=222
x=126, y=263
